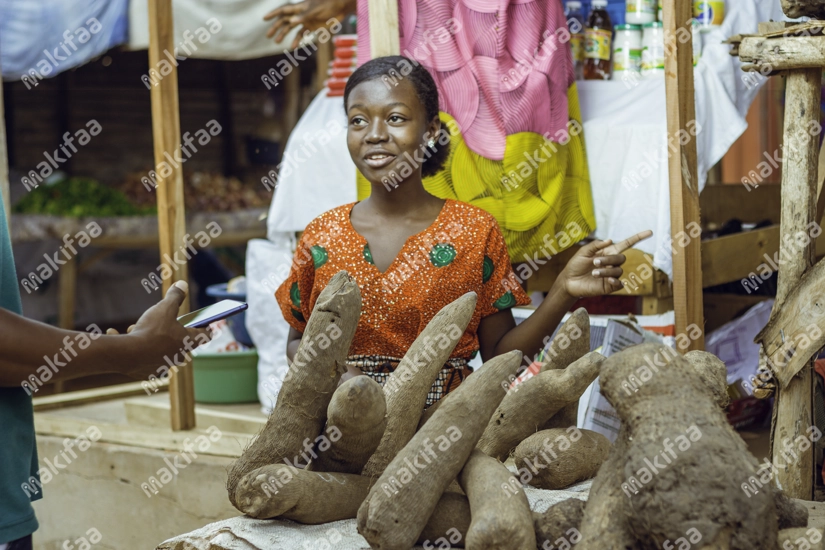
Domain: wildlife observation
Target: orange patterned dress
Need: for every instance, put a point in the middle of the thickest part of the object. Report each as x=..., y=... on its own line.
x=463, y=250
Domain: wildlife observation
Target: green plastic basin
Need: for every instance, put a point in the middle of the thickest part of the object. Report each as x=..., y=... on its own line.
x=229, y=377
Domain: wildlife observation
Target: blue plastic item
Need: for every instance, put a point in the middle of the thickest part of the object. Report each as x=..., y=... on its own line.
x=237, y=322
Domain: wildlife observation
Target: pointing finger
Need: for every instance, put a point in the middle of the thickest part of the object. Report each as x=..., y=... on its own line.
x=627, y=243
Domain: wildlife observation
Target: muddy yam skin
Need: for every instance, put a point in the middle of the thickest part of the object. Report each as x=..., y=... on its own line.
x=558, y=458
x=301, y=408
x=404, y=497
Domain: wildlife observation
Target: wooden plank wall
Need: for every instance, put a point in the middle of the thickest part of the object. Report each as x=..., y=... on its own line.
x=115, y=96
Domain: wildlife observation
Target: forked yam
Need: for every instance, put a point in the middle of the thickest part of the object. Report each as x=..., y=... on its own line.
x=556, y=459
x=501, y=516
x=530, y=404
x=407, y=387
x=571, y=343
x=404, y=497
x=301, y=408
x=284, y=491
x=357, y=414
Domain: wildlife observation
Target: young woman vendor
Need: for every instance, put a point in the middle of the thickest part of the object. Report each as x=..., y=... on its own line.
x=412, y=253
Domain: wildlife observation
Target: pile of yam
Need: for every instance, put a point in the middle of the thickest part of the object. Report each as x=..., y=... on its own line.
x=356, y=450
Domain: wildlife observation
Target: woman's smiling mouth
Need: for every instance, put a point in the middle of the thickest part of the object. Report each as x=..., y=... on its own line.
x=379, y=159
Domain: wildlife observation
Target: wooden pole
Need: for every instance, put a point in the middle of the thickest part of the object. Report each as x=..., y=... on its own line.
x=5, y=193
x=799, y=197
x=383, y=16
x=684, y=184
x=171, y=214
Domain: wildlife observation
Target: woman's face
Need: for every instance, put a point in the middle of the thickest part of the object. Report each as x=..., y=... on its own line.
x=384, y=122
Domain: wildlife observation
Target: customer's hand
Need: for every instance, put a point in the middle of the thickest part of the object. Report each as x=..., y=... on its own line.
x=310, y=15
x=161, y=336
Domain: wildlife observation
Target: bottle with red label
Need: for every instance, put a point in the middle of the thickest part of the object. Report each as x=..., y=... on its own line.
x=598, y=40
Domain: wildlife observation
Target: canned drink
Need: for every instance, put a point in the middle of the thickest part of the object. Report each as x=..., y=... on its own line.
x=709, y=13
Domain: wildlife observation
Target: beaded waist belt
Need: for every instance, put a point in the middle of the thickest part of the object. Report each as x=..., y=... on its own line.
x=379, y=368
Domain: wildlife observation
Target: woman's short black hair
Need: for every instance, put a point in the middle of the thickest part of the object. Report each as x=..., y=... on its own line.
x=389, y=69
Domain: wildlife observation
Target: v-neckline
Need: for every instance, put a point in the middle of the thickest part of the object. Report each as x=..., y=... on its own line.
x=406, y=242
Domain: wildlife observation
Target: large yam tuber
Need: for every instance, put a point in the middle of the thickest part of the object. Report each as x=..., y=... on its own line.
x=555, y=459
x=407, y=387
x=530, y=404
x=405, y=495
x=357, y=417
x=301, y=408
x=713, y=372
x=677, y=468
x=558, y=526
x=501, y=516
x=448, y=524
x=278, y=490
x=572, y=342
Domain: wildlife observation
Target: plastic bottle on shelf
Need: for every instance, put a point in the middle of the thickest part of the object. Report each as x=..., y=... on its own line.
x=661, y=12
x=597, y=43
x=639, y=12
x=575, y=22
x=697, y=41
x=653, y=49
x=709, y=13
x=627, y=52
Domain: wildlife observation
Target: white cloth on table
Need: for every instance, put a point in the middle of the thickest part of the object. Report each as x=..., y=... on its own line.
x=625, y=130
x=244, y=533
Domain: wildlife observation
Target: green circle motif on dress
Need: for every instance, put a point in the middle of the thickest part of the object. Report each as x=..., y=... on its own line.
x=507, y=300
x=295, y=295
x=298, y=315
x=487, y=269
x=442, y=254
x=319, y=255
x=368, y=254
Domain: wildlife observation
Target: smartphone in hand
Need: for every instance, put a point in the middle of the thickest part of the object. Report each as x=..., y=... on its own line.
x=203, y=317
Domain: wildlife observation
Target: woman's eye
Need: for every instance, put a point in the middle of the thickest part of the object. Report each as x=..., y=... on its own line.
x=396, y=119
x=358, y=121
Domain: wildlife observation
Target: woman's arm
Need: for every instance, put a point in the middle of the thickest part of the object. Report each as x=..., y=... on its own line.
x=311, y=15
x=593, y=271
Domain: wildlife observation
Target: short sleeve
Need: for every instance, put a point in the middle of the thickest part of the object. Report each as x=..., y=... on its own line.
x=500, y=288
x=294, y=294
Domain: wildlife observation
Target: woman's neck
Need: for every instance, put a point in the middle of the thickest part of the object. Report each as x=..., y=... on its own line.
x=408, y=195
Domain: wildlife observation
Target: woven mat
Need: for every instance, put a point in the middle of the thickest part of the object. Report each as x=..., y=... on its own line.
x=243, y=533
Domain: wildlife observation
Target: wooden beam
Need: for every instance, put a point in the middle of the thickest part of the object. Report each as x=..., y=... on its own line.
x=783, y=53
x=682, y=167
x=720, y=203
x=84, y=397
x=151, y=413
x=171, y=214
x=383, y=21
x=5, y=193
x=799, y=186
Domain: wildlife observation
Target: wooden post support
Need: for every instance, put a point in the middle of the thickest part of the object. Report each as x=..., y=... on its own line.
x=799, y=188
x=383, y=16
x=5, y=194
x=684, y=184
x=171, y=213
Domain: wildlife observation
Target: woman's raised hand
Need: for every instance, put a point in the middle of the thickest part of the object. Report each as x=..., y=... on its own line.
x=311, y=15
x=596, y=268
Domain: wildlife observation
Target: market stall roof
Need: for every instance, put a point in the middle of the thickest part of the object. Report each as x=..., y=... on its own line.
x=45, y=38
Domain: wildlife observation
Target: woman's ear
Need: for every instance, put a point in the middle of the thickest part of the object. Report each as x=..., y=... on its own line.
x=433, y=129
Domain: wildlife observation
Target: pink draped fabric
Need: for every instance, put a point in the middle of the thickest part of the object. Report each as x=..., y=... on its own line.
x=501, y=66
